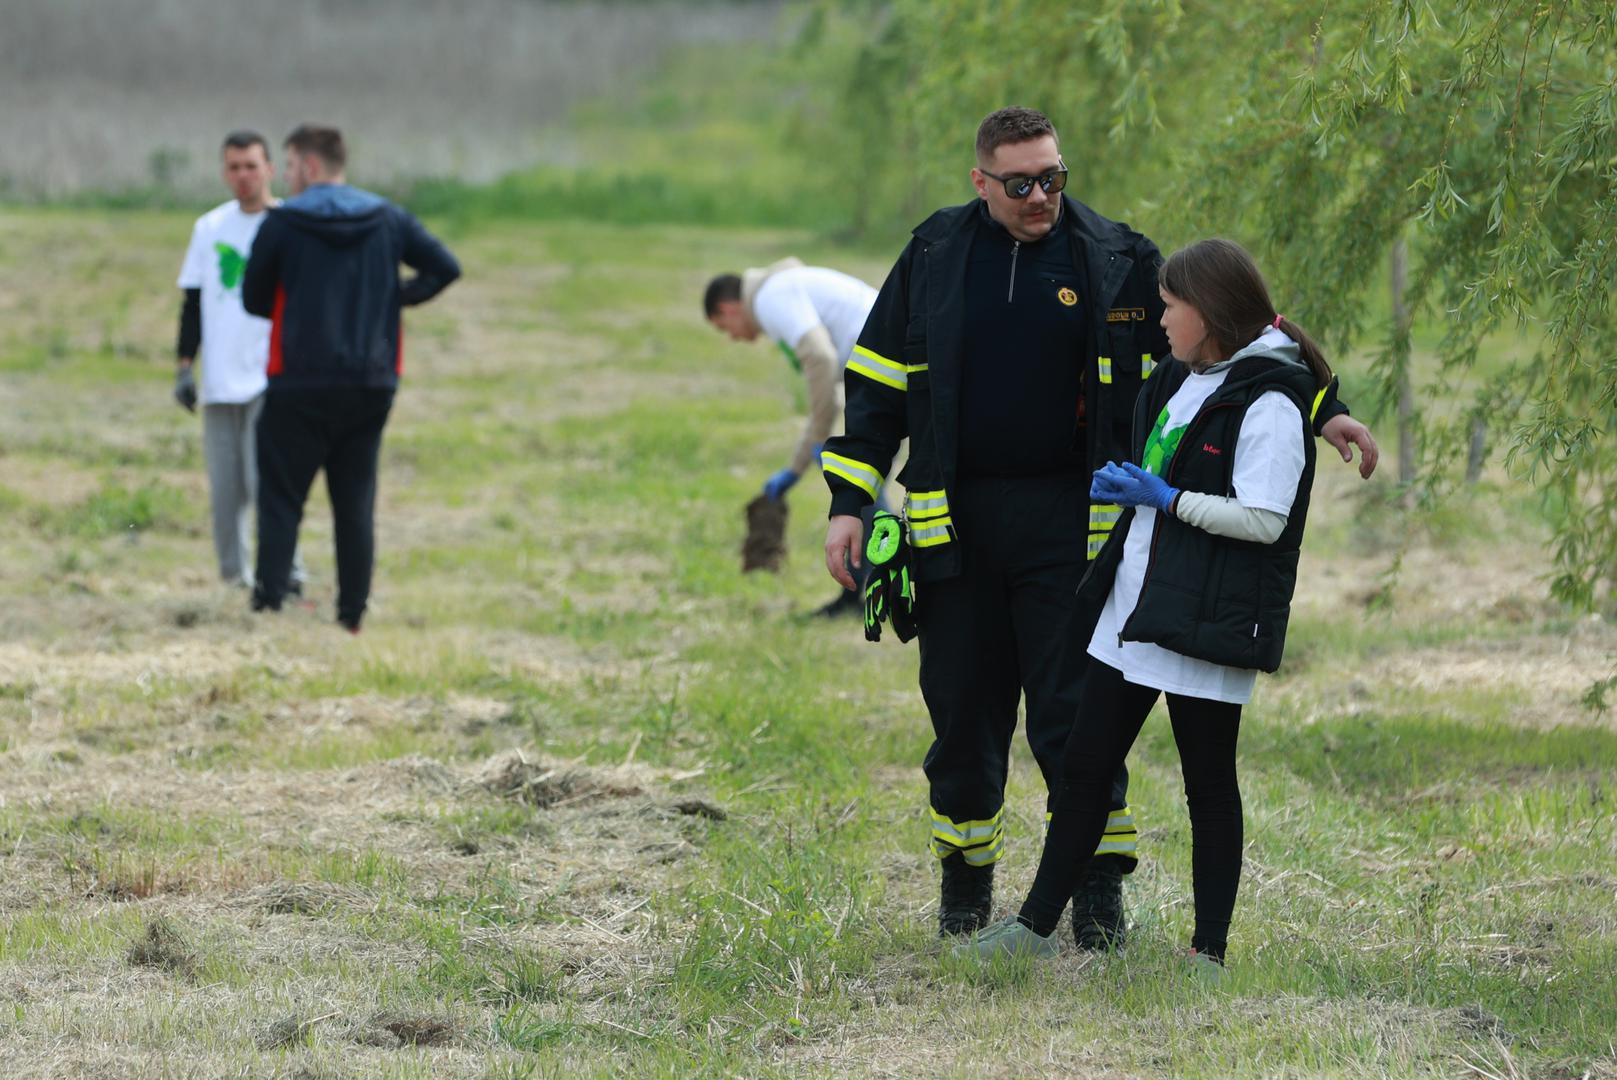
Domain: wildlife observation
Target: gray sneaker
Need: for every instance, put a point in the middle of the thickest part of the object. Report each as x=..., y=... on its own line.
x=1203, y=968
x=1006, y=938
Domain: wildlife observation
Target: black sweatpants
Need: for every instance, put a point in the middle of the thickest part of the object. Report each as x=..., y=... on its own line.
x=1109, y=720
x=339, y=430
x=1006, y=628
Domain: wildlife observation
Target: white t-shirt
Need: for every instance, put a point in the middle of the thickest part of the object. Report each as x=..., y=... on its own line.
x=1269, y=460
x=792, y=302
x=235, y=345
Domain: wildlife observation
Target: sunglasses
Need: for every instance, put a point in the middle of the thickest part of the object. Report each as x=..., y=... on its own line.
x=1020, y=187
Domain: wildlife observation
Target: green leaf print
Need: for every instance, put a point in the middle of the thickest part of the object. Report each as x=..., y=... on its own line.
x=231, y=264
x=1159, y=447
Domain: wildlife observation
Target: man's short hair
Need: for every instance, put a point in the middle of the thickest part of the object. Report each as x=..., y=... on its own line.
x=245, y=139
x=322, y=141
x=722, y=288
x=1013, y=125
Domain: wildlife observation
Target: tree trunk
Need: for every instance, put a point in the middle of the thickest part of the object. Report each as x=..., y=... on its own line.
x=1479, y=450
x=1406, y=384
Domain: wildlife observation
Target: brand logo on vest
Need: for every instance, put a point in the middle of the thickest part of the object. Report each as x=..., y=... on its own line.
x=1067, y=296
x=1209, y=448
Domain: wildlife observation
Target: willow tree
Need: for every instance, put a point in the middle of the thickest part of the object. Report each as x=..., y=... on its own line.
x=1482, y=134
x=1486, y=133
x=899, y=86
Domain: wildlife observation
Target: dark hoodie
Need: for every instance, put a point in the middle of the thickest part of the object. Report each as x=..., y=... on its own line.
x=325, y=270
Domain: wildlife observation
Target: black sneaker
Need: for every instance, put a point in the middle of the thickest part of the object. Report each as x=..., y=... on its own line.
x=968, y=897
x=1098, y=923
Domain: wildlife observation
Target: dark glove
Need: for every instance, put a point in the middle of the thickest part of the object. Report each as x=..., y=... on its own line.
x=890, y=589
x=185, y=388
x=1130, y=485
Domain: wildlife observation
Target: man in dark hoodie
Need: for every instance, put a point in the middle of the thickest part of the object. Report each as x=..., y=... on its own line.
x=325, y=271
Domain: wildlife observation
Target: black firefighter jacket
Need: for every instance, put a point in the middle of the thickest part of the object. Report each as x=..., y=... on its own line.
x=904, y=376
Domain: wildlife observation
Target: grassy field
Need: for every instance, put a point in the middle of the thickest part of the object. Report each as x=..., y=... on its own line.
x=583, y=800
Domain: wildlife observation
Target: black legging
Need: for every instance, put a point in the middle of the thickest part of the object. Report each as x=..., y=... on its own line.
x=1110, y=715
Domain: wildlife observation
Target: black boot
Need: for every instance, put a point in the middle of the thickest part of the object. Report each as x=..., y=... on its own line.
x=848, y=604
x=968, y=897
x=1098, y=923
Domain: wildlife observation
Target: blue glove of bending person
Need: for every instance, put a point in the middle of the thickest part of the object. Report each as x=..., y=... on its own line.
x=780, y=483
x=1129, y=485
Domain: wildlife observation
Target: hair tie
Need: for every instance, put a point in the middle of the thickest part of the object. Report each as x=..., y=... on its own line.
x=1276, y=323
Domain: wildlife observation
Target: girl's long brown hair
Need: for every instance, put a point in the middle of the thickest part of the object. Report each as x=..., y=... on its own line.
x=1219, y=279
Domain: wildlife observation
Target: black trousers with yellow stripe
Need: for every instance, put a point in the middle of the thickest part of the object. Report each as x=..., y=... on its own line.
x=1006, y=629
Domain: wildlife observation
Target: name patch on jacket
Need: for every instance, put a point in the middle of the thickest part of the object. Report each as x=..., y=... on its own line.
x=1126, y=314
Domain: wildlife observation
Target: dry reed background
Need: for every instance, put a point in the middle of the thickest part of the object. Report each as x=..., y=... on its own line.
x=105, y=95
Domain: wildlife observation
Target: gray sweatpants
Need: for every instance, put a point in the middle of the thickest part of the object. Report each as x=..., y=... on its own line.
x=230, y=449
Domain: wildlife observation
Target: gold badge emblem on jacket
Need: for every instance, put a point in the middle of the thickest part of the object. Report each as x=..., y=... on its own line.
x=1067, y=296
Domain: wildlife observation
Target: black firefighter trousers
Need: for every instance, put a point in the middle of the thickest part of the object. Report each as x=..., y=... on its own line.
x=338, y=429
x=1006, y=628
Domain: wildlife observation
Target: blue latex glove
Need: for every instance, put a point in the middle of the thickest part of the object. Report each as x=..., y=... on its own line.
x=1129, y=485
x=780, y=483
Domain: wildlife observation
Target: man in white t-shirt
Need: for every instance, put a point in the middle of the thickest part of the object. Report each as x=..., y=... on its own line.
x=814, y=315
x=233, y=348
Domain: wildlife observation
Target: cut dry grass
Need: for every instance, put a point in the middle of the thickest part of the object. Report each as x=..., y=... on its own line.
x=584, y=800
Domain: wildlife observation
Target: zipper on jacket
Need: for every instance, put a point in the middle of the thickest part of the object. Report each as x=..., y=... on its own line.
x=1199, y=420
x=1141, y=408
x=1010, y=293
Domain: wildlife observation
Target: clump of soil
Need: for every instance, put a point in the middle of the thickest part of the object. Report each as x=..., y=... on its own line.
x=297, y=897
x=701, y=808
x=418, y=1030
x=764, y=547
x=162, y=946
x=544, y=785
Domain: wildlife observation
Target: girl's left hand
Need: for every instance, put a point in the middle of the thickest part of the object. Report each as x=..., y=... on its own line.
x=1130, y=485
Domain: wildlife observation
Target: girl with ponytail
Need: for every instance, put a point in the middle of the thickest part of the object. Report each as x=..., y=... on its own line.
x=1194, y=587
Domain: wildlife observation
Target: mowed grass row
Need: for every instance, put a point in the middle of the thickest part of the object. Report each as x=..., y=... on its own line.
x=237, y=844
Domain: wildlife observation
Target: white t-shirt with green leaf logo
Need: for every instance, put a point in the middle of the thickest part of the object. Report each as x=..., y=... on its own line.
x=1269, y=458
x=235, y=345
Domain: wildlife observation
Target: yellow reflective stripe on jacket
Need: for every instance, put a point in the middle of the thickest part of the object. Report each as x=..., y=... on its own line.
x=1105, y=363
x=1147, y=365
x=854, y=472
x=1103, y=517
x=878, y=368
x=1319, y=399
x=931, y=532
x=921, y=505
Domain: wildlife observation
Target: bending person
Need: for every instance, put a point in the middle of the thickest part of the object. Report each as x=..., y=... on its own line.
x=1194, y=585
x=814, y=314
